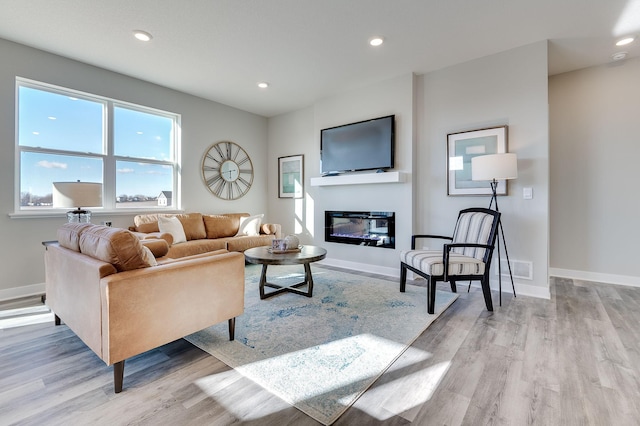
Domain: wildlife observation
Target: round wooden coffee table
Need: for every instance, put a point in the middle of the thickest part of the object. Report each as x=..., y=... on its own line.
x=263, y=256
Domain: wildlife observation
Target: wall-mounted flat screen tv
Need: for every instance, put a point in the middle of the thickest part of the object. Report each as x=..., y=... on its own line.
x=365, y=145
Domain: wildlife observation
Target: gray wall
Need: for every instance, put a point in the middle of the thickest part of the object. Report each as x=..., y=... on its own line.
x=507, y=88
x=594, y=155
x=203, y=123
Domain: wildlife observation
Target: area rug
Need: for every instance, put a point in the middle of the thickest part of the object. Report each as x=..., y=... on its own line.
x=320, y=354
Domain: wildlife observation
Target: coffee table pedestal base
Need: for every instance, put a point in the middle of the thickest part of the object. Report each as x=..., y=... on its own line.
x=308, y=281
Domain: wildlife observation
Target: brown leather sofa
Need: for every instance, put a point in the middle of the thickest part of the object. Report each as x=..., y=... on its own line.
x=206, y=232
x=110, y=289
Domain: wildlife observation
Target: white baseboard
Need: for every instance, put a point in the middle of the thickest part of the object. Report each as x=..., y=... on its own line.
x=19, y=292
x=541, y=292
x=596, y=277
x=521, y=289
x=362, y=267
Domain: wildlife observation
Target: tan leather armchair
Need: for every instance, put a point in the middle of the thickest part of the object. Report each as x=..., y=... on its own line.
x=121, y=313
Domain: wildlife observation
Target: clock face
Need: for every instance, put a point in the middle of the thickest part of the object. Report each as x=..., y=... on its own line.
x=227, y=170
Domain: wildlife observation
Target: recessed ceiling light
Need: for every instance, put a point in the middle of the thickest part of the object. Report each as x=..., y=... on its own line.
x=376, y=41
x=263, y=84
x=619, y=56
x=625, y=41
x=142, y=35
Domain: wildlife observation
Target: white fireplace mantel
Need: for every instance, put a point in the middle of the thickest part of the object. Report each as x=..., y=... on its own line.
x=358, y=179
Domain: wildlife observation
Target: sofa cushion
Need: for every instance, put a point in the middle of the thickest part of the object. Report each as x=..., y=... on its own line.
x=250, y=225
x=242, y=243
x=195, y=247
x=69, y=235
x=193, y=226
x=146, y=223
x=148, y=256
x=113, y=245
x=220, y=226
x=173, y=226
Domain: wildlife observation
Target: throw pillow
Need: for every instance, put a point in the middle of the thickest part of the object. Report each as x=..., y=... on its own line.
x=172, y=226
x=158, y=246
x=250, y=225
x=148, y=257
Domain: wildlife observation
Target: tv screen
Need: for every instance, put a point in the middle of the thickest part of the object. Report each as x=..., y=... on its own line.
x=365, y=145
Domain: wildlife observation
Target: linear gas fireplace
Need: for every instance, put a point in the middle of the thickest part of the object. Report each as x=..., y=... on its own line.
x=375, y=229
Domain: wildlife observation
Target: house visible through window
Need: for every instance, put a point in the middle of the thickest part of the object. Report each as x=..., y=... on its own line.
x=67, y=136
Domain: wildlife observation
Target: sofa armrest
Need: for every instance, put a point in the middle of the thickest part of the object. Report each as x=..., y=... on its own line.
x=146, y=308
x=274, y=228
x=72, y=283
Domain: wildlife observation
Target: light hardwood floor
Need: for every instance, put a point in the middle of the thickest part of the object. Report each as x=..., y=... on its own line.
x=571, y=360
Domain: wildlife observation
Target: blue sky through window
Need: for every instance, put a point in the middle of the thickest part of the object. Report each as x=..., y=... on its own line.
x=50, y=120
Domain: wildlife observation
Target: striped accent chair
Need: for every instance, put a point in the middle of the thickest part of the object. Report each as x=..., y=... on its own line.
x=466, y=258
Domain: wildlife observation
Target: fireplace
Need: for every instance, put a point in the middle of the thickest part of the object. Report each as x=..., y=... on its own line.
x=374, y=229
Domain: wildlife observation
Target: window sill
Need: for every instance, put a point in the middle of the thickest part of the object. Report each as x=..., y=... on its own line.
x=101, y=213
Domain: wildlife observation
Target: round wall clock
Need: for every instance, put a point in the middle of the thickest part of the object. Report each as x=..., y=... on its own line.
x=227, y=170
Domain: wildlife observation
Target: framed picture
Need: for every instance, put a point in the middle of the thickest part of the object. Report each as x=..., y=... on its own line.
x=291, y=176
x=461, y=148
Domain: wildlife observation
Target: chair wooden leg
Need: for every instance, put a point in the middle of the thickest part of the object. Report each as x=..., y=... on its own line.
x=232, y=328
x=118, y=376
x=403, y=278
x=431, y=296
x=486, y=291
x=453, y=286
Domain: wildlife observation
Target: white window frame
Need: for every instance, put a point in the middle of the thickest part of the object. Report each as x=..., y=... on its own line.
x=108, y=157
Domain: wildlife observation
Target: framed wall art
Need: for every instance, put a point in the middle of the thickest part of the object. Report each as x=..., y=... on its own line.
x=461, y=148
x=291, y=176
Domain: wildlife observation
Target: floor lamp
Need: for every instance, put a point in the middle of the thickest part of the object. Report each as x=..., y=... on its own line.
x=496, y=167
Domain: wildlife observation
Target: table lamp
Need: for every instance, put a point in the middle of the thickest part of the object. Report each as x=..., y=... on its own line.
x=79, y=195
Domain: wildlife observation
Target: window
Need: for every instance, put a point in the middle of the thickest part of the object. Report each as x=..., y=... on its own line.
x=67, y=136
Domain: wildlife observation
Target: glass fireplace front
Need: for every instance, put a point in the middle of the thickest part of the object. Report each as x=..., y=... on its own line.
x=375, y=229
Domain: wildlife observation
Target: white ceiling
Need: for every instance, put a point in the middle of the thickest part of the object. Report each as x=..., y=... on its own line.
x=310, y=49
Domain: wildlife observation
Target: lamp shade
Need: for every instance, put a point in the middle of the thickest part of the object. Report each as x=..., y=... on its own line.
x=494, y=166
x=77, y=194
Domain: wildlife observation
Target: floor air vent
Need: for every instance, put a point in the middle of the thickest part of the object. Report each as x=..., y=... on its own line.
x=520, y=268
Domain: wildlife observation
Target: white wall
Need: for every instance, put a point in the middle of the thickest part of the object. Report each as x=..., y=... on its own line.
x=299, y=133
x=594, y=157
x=203, y=123
x=507, y=88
